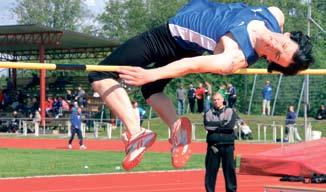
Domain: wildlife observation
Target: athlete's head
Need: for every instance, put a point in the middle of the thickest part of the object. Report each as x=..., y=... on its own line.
x=295, y=54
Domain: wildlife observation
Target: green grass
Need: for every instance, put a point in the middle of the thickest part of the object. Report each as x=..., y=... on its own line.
x=28, y=162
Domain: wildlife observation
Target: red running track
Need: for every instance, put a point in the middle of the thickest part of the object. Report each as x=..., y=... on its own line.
x=176, y=181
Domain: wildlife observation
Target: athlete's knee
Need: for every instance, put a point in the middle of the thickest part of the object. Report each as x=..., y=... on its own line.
x=151, y=98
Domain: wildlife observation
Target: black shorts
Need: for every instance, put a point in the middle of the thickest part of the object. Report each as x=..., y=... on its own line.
x=151, y=49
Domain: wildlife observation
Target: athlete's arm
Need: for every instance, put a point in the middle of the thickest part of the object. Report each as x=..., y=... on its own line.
x=223, y=64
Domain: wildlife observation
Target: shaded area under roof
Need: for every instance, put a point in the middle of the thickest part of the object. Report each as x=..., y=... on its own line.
x=22, y=42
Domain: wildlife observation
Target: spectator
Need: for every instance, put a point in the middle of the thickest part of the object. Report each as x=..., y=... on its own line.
x=29, y=107
x=232, y=95
x=219, y=123
x=290, y=123
x=1, y=98
x=181, y=97
x=60, y=82
x=222, y=90
x=21, y=100
x=69, y=96
x=9, y=86
x=321, y=113
x=14, y=123
x=49, y=106
x=7, y=99
x=80, y=96
x=208, y=94
x=142, y=113
x=267, y=97
x=35, y=104
x=139, y=112
x=200, y=94
x=76, y=122
x=57, y=107
x=33, y=82
x=246, y=132
x=65, y=105
x=37, y=120
x=191, y=98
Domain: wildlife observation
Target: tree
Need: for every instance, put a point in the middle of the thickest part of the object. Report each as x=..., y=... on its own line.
x=124, y=19
x=51, y=13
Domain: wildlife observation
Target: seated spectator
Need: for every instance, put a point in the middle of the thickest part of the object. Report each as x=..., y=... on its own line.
x=28, y=107
x=34, y=81
x=80, y=96
x=69, y=96
x=246, y=132
x=60, y=83
x=9, y=86
x=65, y=104
x=57, y=107
x=49, y=106
x=1, y=96
x=7, y=99
x=14, y=123
x=321, y=113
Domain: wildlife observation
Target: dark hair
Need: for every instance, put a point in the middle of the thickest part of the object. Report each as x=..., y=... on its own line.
x=302, y=58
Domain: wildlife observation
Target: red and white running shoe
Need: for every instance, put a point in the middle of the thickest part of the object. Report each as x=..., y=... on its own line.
x=181, y=140
x=136, y=147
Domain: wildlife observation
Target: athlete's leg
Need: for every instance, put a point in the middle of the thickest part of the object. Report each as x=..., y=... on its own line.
x=164, y=107
x=117, y=99
x=147, y=48
x=180, y=128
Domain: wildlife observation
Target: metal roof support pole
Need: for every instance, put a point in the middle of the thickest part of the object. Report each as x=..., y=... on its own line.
x=252, y=94
x=277, y=93
x=306, y=82
x=42, y=85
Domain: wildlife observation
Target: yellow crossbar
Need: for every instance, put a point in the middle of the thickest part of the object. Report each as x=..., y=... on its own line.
x=52, y=66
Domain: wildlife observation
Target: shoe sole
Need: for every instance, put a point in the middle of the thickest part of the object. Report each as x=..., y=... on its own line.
x=181, y=152
x=132, y=160
x=180, y=156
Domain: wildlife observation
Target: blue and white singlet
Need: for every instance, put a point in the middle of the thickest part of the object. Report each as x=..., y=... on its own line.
x=200, y=24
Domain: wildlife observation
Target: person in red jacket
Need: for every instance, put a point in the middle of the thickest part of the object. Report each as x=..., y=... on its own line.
x=200, y=95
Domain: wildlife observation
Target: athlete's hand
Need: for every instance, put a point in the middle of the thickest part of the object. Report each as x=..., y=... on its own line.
x=136, y=75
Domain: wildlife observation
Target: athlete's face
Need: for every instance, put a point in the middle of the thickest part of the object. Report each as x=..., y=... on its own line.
x=280, y=49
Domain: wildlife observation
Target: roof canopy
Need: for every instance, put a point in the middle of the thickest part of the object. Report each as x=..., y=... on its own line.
x=23, y=42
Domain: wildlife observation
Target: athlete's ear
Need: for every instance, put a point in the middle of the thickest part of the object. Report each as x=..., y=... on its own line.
x=287, y=34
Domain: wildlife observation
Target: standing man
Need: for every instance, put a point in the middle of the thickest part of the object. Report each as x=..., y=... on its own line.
x=291, y=130
x=76, y=122
x=232, y=95
x=200, y=97
x=208, y=95
x=181, y=97
x=267, y=97
x=191, y=98
x=235, y=35
x=219, y=123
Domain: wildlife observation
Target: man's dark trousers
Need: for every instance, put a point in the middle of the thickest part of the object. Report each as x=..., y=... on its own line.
x=220, y=153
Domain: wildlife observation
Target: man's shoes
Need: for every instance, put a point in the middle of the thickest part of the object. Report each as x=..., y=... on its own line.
x=82, y=147
x=181, y=140
x=69, y=146
x=136, y=146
